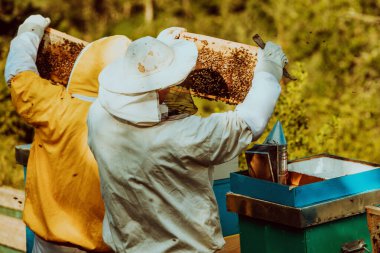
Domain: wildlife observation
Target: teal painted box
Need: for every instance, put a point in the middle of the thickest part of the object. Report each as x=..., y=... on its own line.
x=261, y=236
x=228, y=220
x=338, y=176
x=322, y=214
x=326, y=227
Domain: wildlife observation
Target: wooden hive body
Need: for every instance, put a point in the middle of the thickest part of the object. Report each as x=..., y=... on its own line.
x=223, y=71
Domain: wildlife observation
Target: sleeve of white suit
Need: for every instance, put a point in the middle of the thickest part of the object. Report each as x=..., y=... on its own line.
x=23, y=50
x=22, y=55
x=258, y=105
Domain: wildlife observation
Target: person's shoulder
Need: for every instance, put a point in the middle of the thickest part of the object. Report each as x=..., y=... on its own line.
x=35, y=86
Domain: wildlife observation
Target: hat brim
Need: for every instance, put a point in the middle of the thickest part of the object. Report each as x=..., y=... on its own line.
x=115, y=78
x=93, y=58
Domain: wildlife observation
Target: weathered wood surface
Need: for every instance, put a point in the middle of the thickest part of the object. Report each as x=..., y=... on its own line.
x=232, y=244
x=12, y=198
x=12, y=230
x=373, y=220
x=57, y=54
x=224, y=69
x=12, y=233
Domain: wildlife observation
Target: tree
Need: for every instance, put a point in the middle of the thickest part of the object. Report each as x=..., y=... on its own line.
x=332, y=46
x=149, y=11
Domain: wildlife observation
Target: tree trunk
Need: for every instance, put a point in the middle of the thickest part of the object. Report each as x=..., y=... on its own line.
x=127, y=7
x=186, y=5
x=149, y=11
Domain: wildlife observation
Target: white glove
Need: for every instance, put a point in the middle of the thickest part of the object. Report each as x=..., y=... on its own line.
x=34, y=23
x=170, y=34
x=23, y=50
x=271, y=59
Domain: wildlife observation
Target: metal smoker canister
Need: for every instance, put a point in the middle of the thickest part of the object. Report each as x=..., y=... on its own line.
x=269, y=161
x=283, y=164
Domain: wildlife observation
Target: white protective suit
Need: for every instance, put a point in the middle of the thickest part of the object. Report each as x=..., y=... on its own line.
x=156, y=172
x=157, y=181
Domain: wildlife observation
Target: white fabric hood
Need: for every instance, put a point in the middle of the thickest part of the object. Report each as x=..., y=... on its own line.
x=140, y=109
x=129, y=85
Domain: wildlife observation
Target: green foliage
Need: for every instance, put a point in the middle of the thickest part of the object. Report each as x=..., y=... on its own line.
x=10, y=173
x=332, y=46
x=12, y=132
x=291, y=110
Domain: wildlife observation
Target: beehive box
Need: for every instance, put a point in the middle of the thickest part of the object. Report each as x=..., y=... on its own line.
x=57, y=54
x=322, y=211
x=221, y=186
x=224, y=69
x=373, y=220
x=334, y=177
x=326, y=227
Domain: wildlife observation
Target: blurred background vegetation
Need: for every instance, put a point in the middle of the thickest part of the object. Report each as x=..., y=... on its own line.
x=333, y=48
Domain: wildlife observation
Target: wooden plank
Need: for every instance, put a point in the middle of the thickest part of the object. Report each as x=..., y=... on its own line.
x=373, y=220
x=232, y=244
x=224, y=69
x=57, y=54
x=12, y=233
x=313, y=215
x=375, y=210
x=12, y=198
x=4, y=249
x=223, y=72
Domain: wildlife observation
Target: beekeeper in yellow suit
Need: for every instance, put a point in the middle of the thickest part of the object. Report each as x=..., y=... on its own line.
x=63, y=204
x=157, y=166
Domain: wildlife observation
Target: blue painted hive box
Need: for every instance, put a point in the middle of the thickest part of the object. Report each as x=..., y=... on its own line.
x=312, y=180
x=228, y=220
x=322, y=209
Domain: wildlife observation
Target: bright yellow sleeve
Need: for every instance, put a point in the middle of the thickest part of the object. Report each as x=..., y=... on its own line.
x=37, y=99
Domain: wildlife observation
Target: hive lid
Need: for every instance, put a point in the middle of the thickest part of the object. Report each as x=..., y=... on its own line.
x=276, y=135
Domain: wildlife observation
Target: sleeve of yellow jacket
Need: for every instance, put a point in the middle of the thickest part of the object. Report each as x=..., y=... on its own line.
x=36, y=98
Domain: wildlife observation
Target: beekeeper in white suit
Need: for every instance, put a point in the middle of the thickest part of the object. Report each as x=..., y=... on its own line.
x=156, y=170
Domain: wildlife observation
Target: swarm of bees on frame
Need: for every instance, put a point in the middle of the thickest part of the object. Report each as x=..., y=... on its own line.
x=56, y=60
x=222, y=75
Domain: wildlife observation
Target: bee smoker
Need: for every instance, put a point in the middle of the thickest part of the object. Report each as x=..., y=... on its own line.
x=269, y=161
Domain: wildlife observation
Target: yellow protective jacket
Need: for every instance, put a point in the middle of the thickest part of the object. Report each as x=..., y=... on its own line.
x=63, y=200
